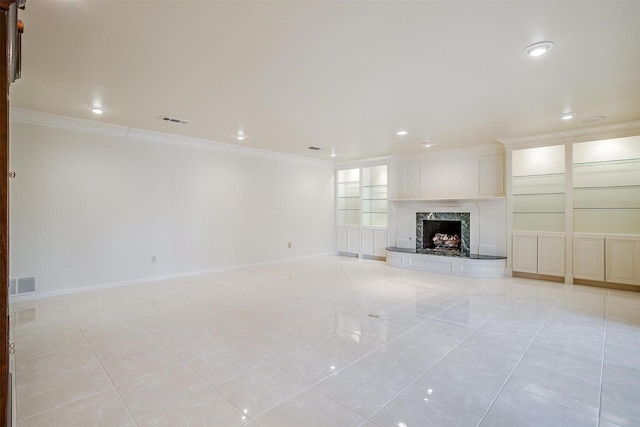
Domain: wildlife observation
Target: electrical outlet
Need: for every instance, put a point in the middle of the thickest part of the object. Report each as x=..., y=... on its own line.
x=289, y=245
x=153, y=259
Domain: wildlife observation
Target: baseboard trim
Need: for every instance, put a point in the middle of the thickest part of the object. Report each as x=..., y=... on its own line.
x=522, y=275
x=618, y=286
x=151, y=279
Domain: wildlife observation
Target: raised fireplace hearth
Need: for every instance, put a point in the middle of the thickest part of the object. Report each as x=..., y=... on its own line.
x=443, y=233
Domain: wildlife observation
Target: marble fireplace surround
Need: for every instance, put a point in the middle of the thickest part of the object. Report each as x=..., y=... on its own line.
x=486, y=241
x=465, y=225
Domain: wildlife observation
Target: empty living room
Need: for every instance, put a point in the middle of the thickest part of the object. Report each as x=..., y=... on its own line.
x=320, y=213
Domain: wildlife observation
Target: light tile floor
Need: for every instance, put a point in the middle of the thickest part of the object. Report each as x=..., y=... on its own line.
x=293, y=344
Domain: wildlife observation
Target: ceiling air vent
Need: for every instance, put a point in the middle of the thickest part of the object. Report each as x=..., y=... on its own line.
x=172, y=120
x=314, y=148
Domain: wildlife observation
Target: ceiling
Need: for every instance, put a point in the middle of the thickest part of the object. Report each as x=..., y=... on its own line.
x=342, y=76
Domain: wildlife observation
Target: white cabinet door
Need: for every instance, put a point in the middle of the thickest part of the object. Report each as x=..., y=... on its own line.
x=588, y=258
x=525, y=253
x=380, y=242
x=374, y=241
x=343, y=239
x=368, y=241
x=353, y=244
x=622, y=261
x=349, y=239
x=551, y=255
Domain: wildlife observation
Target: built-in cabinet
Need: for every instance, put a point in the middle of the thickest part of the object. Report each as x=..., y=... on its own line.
x=622, y=260
x=362, y=210
x=607, y=258
x=374, y=241
x=451, y=175
x=588, y=257
x=587, y=193
x=539, y=253
x=525, y=252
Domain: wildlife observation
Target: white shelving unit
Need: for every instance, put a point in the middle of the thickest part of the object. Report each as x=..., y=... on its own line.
x=362, y=210
x=349, y=197
x=579, y=204
x=538, y=189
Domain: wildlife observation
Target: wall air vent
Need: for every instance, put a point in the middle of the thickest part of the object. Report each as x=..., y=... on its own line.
x=315, y=148
x=22, y=285
x=172, y=120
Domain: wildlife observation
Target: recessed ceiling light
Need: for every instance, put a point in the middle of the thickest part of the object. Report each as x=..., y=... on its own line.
x=240, y=136
x=427, y=144
x=333, y=154
x=567, y=116
x=594, y=119
x=95, y=109
x=402, y=133
x=538, y=49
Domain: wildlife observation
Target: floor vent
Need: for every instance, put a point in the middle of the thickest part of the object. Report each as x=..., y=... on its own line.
x=22, y=286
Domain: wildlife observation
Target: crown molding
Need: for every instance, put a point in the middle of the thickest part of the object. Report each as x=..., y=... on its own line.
x=19, y=115
x=617, y=130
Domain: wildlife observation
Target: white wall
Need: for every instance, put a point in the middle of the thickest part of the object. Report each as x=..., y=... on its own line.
x=91, y=209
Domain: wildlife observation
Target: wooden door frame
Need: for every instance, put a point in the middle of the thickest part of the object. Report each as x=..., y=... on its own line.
x=5, y=412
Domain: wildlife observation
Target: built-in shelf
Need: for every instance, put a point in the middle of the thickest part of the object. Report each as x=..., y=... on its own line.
x=606, y=187
x=362, y=211
x=374, y=196
x=608, y=162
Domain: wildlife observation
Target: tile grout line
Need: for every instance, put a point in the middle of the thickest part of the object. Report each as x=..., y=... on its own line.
x=64, y=373
x=61, y=298
x=184, y=363
x=101, y=366
x=441, y=357
x=517, y=364
x=350, y=364
x=604, y=349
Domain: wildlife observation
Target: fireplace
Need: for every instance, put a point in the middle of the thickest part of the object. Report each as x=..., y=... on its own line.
x=443, y=233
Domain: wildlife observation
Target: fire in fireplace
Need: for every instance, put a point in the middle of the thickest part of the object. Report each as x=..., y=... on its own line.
x=443, y=233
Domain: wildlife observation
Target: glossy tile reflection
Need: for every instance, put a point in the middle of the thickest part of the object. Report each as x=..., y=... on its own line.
x=330, y=341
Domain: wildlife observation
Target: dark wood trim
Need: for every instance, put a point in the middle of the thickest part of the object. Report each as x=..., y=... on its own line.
x=538, y=276
x=609, y=285
x=5, y=4
x=4, y=218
